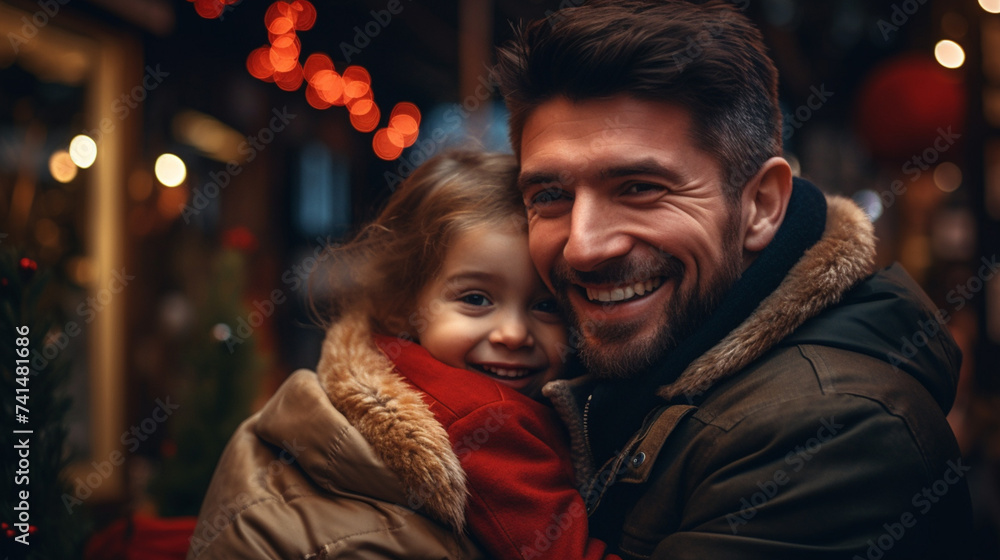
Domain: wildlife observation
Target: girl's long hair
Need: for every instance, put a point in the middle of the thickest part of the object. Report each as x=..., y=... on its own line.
x=380, y=272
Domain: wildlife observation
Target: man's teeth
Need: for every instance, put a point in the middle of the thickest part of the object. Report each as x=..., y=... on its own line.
x=622, y=294
x=505, y=372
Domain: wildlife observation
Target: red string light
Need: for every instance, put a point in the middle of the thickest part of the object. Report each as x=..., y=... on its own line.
x=279, y=62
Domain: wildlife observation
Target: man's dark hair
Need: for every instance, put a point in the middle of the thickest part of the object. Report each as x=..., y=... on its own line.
x=704, y=56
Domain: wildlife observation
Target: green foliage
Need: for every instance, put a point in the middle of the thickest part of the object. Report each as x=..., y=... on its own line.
x=59, y=533
x=216, y=393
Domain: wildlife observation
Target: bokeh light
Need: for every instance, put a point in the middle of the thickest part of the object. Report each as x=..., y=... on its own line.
x=83, y=151
x=304, y=14
x=366, y=116
x=47, y=232
x=209, y=9
x=259, y=63
x=170, y=170
x=315, y=100
x=405, y=119
x=290, y=80
x=387, y=144
x=329, y=85
x=870, y=202
x=991, y=6
x=221, y=332
x=171, y=202
x=949, y=54
x=61, y=166
x=80, y=270
x=948, y=177
x=314, y=63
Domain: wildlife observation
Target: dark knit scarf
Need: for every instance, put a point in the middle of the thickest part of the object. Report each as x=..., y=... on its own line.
x=618, y=408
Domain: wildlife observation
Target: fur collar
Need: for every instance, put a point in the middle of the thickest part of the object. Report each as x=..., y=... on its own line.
x=843, y=256
x=393, y=417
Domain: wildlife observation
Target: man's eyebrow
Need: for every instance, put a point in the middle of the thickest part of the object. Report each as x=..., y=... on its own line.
x=532, y=178
x=647, y=166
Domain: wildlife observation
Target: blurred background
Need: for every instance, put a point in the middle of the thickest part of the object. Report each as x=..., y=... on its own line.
x=171, y=170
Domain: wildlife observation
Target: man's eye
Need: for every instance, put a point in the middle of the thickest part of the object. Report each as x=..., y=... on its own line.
x=475, y=299
x=636, y=188
x=547, y=196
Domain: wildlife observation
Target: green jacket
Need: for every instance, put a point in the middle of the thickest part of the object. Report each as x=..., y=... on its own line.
x=816, y=429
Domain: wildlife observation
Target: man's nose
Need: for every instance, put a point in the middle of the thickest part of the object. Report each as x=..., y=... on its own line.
x=512, y=331
x=595, y=235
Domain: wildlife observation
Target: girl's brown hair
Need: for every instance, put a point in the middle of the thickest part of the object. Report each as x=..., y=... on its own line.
x=382, y=270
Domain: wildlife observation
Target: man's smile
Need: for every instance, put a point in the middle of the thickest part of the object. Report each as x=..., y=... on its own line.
x=624, y=293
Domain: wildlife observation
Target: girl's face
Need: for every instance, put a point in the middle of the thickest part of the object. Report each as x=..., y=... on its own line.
x=487, y=311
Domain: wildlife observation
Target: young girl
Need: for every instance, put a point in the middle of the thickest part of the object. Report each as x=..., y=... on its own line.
x=443, y=334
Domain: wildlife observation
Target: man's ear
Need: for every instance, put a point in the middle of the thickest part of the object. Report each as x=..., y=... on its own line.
x=765, y=199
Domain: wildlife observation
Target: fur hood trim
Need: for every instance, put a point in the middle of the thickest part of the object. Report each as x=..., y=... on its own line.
x=843, y=256
x=392, y=416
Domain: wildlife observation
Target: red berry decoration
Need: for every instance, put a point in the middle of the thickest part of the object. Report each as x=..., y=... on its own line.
x=28, y=268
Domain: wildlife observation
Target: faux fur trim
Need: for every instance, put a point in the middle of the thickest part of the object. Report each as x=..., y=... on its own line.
x=843, y=256
x=560, y=394
x=393, y=417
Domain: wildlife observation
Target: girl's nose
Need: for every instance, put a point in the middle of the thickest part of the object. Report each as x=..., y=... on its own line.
x=512, y=332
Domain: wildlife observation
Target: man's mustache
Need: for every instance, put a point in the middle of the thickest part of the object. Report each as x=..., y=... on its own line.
x=619, y=272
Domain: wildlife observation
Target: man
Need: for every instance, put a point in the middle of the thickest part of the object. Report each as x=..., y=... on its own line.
x=752, y=389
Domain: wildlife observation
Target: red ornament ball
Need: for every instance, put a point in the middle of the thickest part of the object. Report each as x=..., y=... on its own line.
x=905, y=104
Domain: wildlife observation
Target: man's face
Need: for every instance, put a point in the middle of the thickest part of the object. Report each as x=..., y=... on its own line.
x=628, y=225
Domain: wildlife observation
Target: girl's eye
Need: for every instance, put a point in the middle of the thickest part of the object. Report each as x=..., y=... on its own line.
x=547, y=306
x=475, y=299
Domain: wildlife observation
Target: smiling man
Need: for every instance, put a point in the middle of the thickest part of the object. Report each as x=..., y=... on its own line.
x=745, y=396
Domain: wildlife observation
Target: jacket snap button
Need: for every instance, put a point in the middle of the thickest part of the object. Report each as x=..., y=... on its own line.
x=638, y=459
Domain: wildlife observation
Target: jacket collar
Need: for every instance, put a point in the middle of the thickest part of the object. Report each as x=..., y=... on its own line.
x=393, y=418
x=843, y=256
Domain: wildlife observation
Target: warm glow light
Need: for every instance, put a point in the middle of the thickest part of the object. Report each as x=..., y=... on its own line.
x=171, y=202
x=357, y=74
x=304, y=14
x=315, y=100
x=329, y=85
x=405, y=118
x=406, y=108
x=356, y=90
x=170, y=170
x=47, y=232
x=209, y=9
x=949, y=54
x=314, y=63
x=284, y=53
x=281, y=25
x=361, y=107
x=290, y=80
x=275, y=11
x=991, y=6
x=211, y=136
x=83, y=151
x=948, y=176
x=259, y=63
x=80, y=270
x=385, y=146
x=61, y=166
x=367, y=121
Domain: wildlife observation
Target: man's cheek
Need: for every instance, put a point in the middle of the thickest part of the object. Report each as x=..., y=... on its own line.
x=542, y=256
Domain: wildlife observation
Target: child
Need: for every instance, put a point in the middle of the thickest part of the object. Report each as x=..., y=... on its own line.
x=443, y=335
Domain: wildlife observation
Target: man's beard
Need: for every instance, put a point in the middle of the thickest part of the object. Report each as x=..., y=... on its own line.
x=623, y=350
